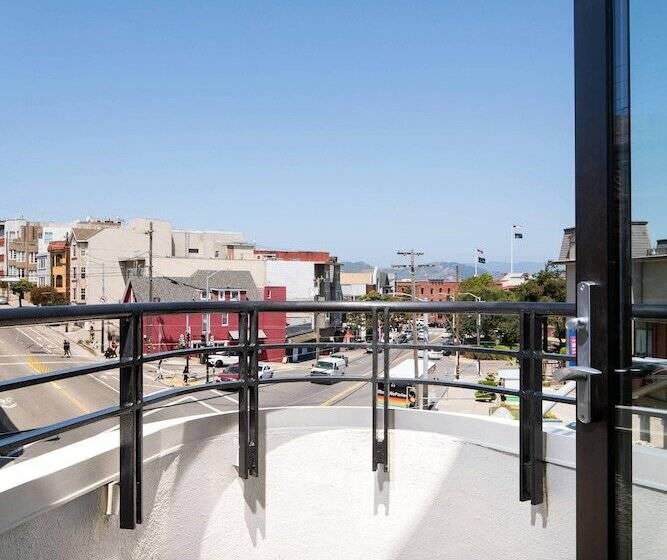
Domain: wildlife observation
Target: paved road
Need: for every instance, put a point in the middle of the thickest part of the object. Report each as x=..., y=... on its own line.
x=38, y=349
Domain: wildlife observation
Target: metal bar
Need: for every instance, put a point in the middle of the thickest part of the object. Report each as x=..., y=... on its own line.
x=67, y=373
x=129, y=425
x=537, y=334
x=56, y=314
x=525, y=363
x=377, y=451
x=385, y=394
x=15, y=440
x=253, y=398
x=243, y=396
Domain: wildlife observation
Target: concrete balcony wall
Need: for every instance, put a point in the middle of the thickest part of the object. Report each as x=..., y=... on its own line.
x=452, y=492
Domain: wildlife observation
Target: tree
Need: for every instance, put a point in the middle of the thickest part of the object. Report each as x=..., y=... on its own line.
x=47, y=296
x=547, y=285
x=357, y=321
x=485, y=287
x=20, y=288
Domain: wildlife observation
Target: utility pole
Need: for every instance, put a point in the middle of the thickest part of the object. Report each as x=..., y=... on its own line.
x=413, y=266
x=104, y=299
x=150, y=262
x=150, y=282
x=457, y=337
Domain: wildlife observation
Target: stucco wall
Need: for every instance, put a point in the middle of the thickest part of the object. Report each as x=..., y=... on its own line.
x=654, y=281
x=446, y=496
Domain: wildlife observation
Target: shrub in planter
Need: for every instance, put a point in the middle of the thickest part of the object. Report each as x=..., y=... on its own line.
x=483, y=396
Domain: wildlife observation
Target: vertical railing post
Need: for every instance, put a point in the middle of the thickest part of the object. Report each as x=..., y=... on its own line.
x=531, y=473
x=524, y=407
x=243, y=395
x=385, y=394
x=377, y=444
x=537, y=327
x=253, y=397
x=131, y=421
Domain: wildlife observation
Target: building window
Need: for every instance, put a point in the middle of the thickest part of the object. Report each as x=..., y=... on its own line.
x=225, y=319
x=74, y=272
x=217, y=254
x=74, y=249
x=268, y=294
x=439, y=290
x=83, y=294
x=422, y=290
x=83, y=272
x=59, y=281
x=431, y=291
x=193, y=251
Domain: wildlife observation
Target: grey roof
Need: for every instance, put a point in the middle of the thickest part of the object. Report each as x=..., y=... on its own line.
x=641, y=243
x=81, y=234
x=227, y=280
x=190, y=288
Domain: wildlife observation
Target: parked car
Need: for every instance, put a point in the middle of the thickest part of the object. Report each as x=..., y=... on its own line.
x=4, y=300
x=228, y=373
x=264, y=370
x=222, y=359
x=432, y=354
x=369, y=349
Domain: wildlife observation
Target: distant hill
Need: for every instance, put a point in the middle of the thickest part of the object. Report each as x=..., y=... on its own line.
x=447, y=270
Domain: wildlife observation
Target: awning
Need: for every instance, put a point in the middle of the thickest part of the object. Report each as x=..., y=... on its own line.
x=234, y=335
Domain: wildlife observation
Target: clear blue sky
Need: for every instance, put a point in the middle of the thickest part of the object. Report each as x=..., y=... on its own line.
x=358, y=127
x=649, y=114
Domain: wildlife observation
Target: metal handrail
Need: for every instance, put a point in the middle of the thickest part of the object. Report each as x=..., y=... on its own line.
x=532, y=317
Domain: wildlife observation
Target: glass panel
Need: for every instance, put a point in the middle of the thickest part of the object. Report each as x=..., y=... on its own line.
x=642, y=419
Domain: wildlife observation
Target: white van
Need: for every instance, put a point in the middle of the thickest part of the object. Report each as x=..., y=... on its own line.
x=327, y=366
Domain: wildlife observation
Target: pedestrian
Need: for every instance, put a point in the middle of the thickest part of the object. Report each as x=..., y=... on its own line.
x=66, y=349
x=160, y=373
x=185, y=375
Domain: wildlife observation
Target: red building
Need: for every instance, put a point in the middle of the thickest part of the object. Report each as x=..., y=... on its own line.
x=431, y=290
x=309, y=256
x=167, y=332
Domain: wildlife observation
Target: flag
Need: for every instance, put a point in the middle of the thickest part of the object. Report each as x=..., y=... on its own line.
x=481, y=260
x=518, y=235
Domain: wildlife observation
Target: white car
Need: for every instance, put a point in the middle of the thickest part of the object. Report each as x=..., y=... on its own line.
x=264, y=371
x=222, y=359
x=432, y=354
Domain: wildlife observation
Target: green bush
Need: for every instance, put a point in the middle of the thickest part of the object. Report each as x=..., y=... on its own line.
x=489, y=380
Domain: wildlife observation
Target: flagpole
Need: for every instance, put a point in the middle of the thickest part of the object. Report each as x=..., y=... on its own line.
x=476, y=261
x=512, y=250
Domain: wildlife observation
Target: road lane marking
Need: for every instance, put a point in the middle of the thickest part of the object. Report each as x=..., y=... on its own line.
x=7, y=402
x=21, y=331
x=40, y=367
x=344, y=393
x=105, y=384
x=41, y=336
x=225, y=396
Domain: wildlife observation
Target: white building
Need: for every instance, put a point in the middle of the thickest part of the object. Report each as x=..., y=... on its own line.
x=50, y=232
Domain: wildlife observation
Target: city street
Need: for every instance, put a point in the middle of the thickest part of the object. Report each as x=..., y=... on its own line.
x=39, y=349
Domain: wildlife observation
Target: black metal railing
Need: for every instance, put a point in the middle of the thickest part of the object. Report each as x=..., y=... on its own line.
x=530, y=354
